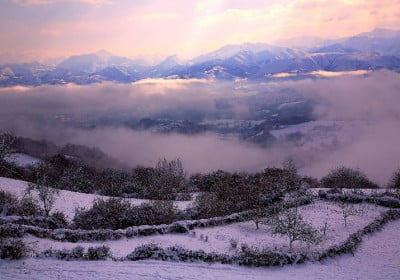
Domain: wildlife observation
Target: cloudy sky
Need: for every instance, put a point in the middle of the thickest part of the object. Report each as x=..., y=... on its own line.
x=53, y=28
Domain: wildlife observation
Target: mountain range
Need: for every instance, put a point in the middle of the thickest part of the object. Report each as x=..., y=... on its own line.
x=378, y=49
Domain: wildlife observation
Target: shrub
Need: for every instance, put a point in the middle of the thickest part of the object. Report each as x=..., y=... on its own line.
x=143, y=252
x=27, y=206
x=117, y=213
x=344, y=177
x=98, y=253
x=154, y=213
x=233, y=243
x=109, y=213
x=8, y=203
x=60, y=219
x=78, y=252
x=13, y=248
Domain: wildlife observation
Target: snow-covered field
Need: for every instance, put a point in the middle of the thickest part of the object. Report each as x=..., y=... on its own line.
x=218, y=238
x=376, y=258
x=67, y=201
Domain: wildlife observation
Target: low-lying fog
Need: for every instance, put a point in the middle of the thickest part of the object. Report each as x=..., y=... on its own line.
x=370, y=102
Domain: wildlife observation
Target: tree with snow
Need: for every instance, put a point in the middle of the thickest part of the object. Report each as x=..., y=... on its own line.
x=6, y=149
x=47, y=195
x=290, y=223
x=394, y=182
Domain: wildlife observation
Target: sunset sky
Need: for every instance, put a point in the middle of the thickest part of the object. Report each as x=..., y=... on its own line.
x=52, y=28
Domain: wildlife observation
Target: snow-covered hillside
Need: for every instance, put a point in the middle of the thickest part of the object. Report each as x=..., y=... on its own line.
x=377, y=258
x=67, y=201
x=218, y=239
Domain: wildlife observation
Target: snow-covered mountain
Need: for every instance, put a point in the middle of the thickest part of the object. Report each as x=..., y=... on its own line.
x=382, y=41
x=378, y=49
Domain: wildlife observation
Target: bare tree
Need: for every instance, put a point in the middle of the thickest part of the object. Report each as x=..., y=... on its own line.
x=258, y=217
x=291, y=224
x=168, y=179
x=47, y=195
x=347, y=210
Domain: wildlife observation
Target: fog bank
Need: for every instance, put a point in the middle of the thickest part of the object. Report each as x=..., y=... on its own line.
x=368, y=102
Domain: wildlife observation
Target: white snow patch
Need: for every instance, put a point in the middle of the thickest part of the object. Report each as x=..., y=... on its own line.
x=22, y=160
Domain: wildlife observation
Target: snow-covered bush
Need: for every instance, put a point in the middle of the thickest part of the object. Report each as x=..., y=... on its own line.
x=117, y=213
x=78, y=253
x=109, y=213
x=344, y=177
x=175, y=253
x=60, y=219
x=379, y=199
x=259, y=257
x=13, y=249
x=78, y=179
x=8, y=203
x=98, y=253
x=146, y=251
x=11, y=230
x=11, y=205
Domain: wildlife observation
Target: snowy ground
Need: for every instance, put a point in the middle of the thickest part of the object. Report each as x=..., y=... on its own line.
x=67, y=201
x=376, y=258
x=218, y=238
x=22, y=160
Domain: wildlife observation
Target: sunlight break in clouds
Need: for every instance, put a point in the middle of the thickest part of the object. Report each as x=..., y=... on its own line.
x=49, y=28
x=48, y=2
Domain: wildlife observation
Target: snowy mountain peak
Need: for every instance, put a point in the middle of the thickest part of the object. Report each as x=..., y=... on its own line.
x=229, y=51
x=170, y=61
